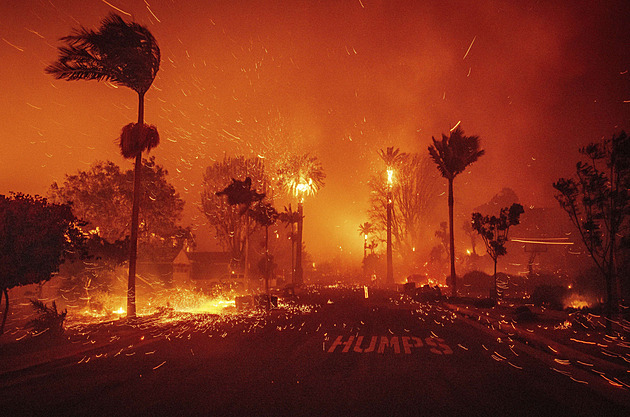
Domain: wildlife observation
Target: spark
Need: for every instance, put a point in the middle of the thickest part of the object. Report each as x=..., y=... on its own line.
x=15, y=46
x=34, y=32
x=455, y=127
x=159, y=365
x=116, y=8
x=468, y=50
x=151, y=11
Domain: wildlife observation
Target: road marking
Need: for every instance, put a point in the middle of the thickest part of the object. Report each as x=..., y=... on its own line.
x=386, y=344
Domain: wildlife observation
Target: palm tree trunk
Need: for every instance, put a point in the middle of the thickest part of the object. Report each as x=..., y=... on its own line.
x=298, y=278
x=133, y=244
x=390, y=266
x=451, y=237
x=6, y=308
x=267, y=268
x=495, y=295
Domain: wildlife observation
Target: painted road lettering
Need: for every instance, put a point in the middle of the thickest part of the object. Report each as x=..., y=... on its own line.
x=389, y=344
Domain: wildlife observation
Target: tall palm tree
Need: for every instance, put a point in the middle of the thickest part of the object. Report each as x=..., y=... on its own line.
x=299, y=176
x=452, y=155
x=125, y=54
x=392, y=158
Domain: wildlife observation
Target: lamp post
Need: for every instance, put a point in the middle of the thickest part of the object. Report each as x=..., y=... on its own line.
x=390, y=266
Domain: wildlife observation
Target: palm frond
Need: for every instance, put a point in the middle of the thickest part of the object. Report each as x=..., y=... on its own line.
x=454, y=153
x=123, y=53
x=135, y=139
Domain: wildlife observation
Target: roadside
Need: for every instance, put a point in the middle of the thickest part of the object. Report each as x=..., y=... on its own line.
x=574, y=338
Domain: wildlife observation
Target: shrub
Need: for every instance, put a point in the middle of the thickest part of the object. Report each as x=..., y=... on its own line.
x=49, y=318
x=550, y=296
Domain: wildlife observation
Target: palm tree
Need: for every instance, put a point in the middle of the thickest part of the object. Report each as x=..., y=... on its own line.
x=300, y=175
x=291, y=217
x=126, y=54
x=452, y=155
x=392, y=158
x=365, y=230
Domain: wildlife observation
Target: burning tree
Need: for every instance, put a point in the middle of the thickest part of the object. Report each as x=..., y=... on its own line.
x=35, y=238
x=126, y=54
x=299, y=176
x=598, y=204
x=494, y=232
x=413, y=196
x=452, y=155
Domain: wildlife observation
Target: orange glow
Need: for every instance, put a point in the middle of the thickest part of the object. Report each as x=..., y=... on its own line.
x=337, y=79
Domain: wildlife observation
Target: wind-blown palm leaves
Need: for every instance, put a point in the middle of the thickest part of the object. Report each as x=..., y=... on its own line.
x=455, y=152
x=125, y=54
x=452, y=155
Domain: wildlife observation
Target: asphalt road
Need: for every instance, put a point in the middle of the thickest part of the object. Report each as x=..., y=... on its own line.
x=346, y=357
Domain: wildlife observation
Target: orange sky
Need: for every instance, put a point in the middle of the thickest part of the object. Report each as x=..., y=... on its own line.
x=535, y=80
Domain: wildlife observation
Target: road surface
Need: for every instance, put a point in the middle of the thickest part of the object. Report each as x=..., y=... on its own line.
x=346, y=355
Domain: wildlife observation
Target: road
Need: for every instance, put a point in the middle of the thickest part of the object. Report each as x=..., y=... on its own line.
x=346, y=355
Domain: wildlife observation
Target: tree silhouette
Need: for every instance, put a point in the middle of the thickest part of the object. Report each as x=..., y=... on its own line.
x=35, y=237
x=265, y=215
x=291, y=218
x=494, y=232
x=231, y=227
x=240, y=193
x=125, y=54
x=452, y=155
x=598, y=204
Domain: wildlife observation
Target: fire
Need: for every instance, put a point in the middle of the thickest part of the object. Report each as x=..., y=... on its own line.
x=119, y=311
x=578, y=301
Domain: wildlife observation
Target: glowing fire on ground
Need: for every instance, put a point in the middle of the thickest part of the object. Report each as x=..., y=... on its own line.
x=578, y=301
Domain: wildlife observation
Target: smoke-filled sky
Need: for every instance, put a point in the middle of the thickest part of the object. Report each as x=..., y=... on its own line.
x=340, y=79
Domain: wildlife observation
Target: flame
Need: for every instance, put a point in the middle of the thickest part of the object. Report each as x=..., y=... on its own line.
x=578, y=301
x=120, y=311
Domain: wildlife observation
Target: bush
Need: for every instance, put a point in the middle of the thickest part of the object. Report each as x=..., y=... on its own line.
x=485, y=303
x=49, y=318
x=523, y=314
x=550, y=296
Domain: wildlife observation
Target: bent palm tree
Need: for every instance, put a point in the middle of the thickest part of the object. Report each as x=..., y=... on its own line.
x=392, y=158
x=125, y=54
x=452, y=155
